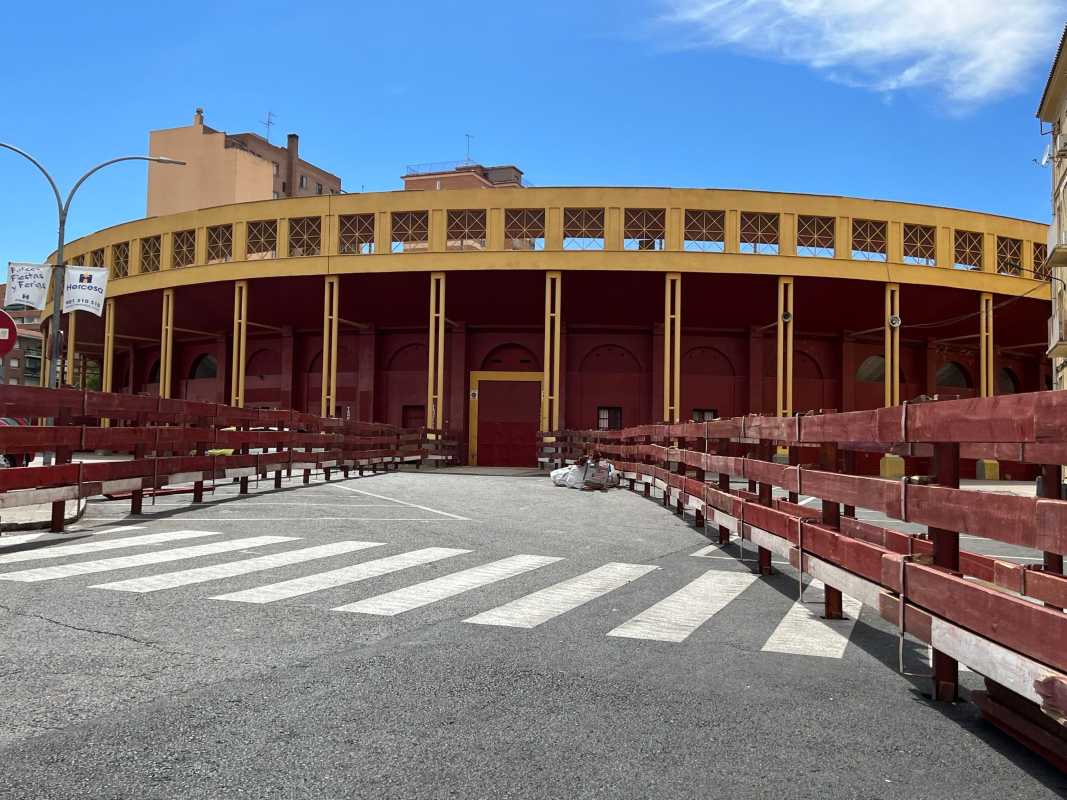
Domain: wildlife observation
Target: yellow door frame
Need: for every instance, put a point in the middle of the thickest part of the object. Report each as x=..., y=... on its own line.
x=477, y=376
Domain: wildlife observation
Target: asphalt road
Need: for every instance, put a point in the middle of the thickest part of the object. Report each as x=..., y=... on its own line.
x=643, y=671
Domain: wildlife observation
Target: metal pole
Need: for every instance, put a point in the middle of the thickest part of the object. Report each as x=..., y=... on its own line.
x=58, y=276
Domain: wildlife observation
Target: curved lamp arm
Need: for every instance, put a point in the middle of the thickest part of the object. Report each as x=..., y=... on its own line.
x=157, y=159
x=36, y=163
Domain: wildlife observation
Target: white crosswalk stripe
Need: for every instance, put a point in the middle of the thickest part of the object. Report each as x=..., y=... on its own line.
x=10, y=540
x=804, y=632
x=422, y=594
x=676, y=617
x=539, y=607
x=59, y=551
x=140, y=560
x=339, y=577
x=170, y=580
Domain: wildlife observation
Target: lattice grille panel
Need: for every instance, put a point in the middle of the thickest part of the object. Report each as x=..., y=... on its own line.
x=466, y=229
x=644, y=228
x=219, y=243
x=77, y=261
x=583, y=228
x=410, y=230
x=1009, y=255
x=305, y=236
x=869, y=239
x=524, y=228
x=120, y=259
x=151, y=248
x=705, y=230
x=357, y=233
x=96, y=258
x=968, y=249
x=759, y=232
x=1041, y=269
x=815, y=235
x=263, y=239
x=920, y=244
x=183, y=248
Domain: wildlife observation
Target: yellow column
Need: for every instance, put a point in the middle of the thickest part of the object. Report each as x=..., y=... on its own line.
x=784, y=382
x=989, y=252
x=892, y=344
x=554, y=228
x=438, y=230
x=240, y=342
x=107, y=378
x=283, y=238
x=672, y=346
x=201, y=246
x=986, y=359
x=843, y=237
x=945, y=247
x=435, y=379
x=675, y=233
x=166, y=250
x=550, y=381
x=72, y=336
x=787, y=234
x=613, y=228
x=329, y=346
x=240, y=241
x=166, y=343
x=732, y=234
x=895, y=242
x=383, y=232
x=494, y=229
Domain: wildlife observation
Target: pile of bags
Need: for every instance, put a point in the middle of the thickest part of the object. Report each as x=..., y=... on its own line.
x=589, y=474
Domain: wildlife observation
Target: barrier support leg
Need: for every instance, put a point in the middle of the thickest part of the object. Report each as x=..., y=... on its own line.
x=307, y=476
x=947, y=556
x=831, y=517
x=1051, y=487
x=278, y=479
x=198, y=491
x=763, y=490
x=137, y=495
x=243, y=485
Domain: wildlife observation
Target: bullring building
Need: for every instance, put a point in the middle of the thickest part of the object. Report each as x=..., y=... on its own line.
x=473, y=303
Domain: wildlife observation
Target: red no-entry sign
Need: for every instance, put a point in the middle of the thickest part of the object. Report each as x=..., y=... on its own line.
x=8, y=333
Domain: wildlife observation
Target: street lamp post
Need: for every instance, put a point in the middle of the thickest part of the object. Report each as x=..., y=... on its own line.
x=57, y=270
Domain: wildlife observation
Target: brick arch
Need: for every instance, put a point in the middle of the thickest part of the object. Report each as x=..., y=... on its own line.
x=265, y=361
x=610, y=358
x=412, y=356
x=707, y=360
x=511, y=357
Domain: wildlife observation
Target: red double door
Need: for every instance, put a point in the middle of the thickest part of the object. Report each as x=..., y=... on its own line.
x=508, y=418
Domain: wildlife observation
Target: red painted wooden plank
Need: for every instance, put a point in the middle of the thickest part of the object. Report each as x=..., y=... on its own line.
x=39, y=477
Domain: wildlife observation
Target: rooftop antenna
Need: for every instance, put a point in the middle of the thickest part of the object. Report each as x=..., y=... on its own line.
x=469, y=137
x=268, y=123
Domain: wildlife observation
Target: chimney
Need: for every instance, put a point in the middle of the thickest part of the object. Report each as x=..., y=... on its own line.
x=292, y=157
x=198, y=117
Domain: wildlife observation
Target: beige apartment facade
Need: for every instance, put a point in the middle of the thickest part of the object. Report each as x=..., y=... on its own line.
x=1053, y=111
x=223, y=168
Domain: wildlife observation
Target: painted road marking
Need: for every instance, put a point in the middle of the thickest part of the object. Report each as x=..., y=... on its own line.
x=143, y=559
x=534, y=609
x=27, y=538
x=169, y=580
x=110, y=544
x=804, y=632
x=422, y=594
x=399, y=502
x=674, y=618
x=339, y=577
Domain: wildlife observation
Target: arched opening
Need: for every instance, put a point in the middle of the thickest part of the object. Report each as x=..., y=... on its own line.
x=205, y=366
x=872, y=370
x=953, y=375
x=709, y=384
x=401, y=395
x=511, y=358
x=1007, y=381
x=153, y=373
x=263, y=379
x=203, y=381
x=346, y=383
x=606, y=390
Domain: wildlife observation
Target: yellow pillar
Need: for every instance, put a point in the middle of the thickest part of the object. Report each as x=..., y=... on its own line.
x=435, y=379
x=550, y=382
x=985, y=358
x=330, y=301
x=240, y=343
x=72, y=336
x=107, y=378
x=672, y=346
x=166, y=343
x=892, y=344
x=787, y=234
x=732, y=234
x=784, y=371
x=843, y=238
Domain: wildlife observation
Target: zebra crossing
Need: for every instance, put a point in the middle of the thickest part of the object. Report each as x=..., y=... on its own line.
x=672, y=619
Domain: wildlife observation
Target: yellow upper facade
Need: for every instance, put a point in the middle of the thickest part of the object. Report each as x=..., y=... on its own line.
x=652, y=229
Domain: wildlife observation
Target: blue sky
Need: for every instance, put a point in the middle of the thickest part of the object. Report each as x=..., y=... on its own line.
x=895, y=99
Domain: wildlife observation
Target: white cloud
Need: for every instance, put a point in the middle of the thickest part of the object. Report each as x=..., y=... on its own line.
x=970, y=50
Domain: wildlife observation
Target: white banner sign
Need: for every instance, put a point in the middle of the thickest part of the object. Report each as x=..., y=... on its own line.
x=84, y=289
x=27, y=284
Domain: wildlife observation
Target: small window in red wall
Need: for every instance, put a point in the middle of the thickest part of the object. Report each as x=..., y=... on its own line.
x=609, y=418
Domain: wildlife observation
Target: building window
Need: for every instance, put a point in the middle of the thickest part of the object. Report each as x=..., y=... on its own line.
x=219, y=243
x=303, y=181
x=466, y=229
x=357, y=234
x=1041, y=271
x=96, y=258
x=13, y=363
x=869, y=240
x=644, y=228
x=524, y=228
x=318, y=188
x=150, y=251
x=276, y=195
x=609, y=418
x=411, y=231
x=274, y=169
x=1009, y=256
x=705, y=414
x=183, y=248
x=815, y=236
x=967, y=250
x=305, y=236
x=13, y=381
x=77, y=261
x=759, y=233
x=120, y=259
x=705, y=231
x=920, y=244
x=262, y=239
x=583, y=229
